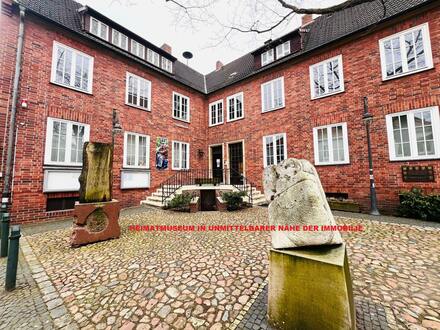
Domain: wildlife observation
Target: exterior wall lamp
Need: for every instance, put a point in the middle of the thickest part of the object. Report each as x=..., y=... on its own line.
x=200, y=153
x=367, y=118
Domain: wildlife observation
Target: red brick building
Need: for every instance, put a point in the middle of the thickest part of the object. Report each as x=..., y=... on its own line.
x=300, y=96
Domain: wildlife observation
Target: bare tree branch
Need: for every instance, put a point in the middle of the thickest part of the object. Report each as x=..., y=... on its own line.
x=253, y=29
x=322, y=11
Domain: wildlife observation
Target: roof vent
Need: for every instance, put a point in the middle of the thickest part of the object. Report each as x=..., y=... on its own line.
x=167, y=48
x=218, y=65
x=233, y=74
x=306, y=19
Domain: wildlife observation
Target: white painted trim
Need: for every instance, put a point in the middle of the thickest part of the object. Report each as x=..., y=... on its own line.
x=412, y=134
x=100, y=24
x=270, y=59
x=128, y=74
x=281, y=46
x=188, y=120
x=210, y=113
x=427, y=49
x=137, y=135
x=229, y=160
x=330, y=144
x=55, y=46
x=120, y=39
x=68, y=150
x=341, y=77
x=272, y=83
x=234, y=96
x=180, y=155
x=273, y=136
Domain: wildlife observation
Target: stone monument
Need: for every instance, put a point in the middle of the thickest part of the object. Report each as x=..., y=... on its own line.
x=309, y=278
x=96, y=214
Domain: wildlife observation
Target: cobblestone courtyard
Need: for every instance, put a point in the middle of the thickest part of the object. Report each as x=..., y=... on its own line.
x=210, y=280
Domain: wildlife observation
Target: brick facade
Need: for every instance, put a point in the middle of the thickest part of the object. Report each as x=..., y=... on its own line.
x=362, y=76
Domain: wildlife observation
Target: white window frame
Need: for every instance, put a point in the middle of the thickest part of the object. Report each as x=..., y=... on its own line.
x=100, y=24
x=72, y=69
x=68, y=151
x=283, y=49
x=341, y=78
x=140, y=49
x=427, y=48
x=272, y=83
x=218, y=122
x=412, y=134
x=330, y=144
x=242, y=105
x=121, y=36
x=128, y=75
x=269, y=57
x=153, y=57
x=137, y=135
x=187, y=120
x=167, y=64
x=274, y=136
x=180, y=156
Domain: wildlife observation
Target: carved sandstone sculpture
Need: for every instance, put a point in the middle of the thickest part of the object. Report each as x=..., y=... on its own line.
x=297, y=198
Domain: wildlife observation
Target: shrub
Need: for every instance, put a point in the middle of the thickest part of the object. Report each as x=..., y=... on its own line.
x=415, y=204
x=234, y=200
x=180, y=202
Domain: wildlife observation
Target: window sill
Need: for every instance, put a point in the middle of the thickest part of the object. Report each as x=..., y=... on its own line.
x=327, y=95
x=213, y=125
x=235, y=119
x=385, y=79
x=332, y=164
x=137, y=107
x=274, y=109
x=182, y=120
x=414, y=159
x=71, y=88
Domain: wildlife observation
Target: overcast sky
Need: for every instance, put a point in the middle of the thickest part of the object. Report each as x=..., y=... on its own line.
x=161, y=22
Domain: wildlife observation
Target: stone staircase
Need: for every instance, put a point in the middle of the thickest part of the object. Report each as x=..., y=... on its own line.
x=155, y=199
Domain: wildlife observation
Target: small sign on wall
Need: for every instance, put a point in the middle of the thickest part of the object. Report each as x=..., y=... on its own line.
x=418, y=174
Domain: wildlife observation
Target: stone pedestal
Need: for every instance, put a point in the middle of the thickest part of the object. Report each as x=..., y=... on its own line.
x=95, y=222
x=310, y=288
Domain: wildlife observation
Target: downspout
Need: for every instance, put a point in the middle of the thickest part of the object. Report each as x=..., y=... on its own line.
x=11, y=134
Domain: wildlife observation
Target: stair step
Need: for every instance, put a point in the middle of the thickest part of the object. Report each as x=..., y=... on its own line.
x=152, y=203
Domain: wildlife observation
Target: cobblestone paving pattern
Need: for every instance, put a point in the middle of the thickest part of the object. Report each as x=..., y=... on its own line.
x=202, y=280
x=23, y=307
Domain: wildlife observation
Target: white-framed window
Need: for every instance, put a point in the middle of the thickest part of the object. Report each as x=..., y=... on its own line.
x=267, y=57
x=180, y=155
x=274, y=149
x=406, y=52
x=136, y=150
x=71, y=68
x=283, y=49
x=119, y=39
x=181, y=107
x=216, y=113
x=414, y=134
x=327, y=77
x=272, y=95
x=153, y=57
x=138, y=92
x=167, y=64
x=98, y=28
x=137, y=49
x=331, y=144
x=235, y=105
x=64, y=142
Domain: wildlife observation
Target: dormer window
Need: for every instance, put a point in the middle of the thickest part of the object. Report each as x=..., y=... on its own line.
x=119, y=39
x=153, y=57
x=283, y=49
x=137, y=49
x=167, y=64
x=98, y=28
x=267, y=57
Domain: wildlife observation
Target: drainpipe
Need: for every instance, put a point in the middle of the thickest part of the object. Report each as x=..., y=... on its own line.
x=11, y=136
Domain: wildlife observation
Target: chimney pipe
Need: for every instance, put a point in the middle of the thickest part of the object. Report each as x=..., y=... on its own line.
x=167, y=48
x=306, y=19
x=218, y=65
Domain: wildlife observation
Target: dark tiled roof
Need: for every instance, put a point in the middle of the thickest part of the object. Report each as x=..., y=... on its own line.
x=324, y=30
x=65, y=13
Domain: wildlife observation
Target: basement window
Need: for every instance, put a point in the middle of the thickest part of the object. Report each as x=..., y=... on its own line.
x=60, y=204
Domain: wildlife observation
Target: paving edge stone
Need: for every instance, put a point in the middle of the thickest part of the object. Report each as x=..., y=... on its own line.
x=44, y=284
x=248, y=305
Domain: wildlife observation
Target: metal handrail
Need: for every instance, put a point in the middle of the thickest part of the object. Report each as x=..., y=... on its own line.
x=205, y=176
